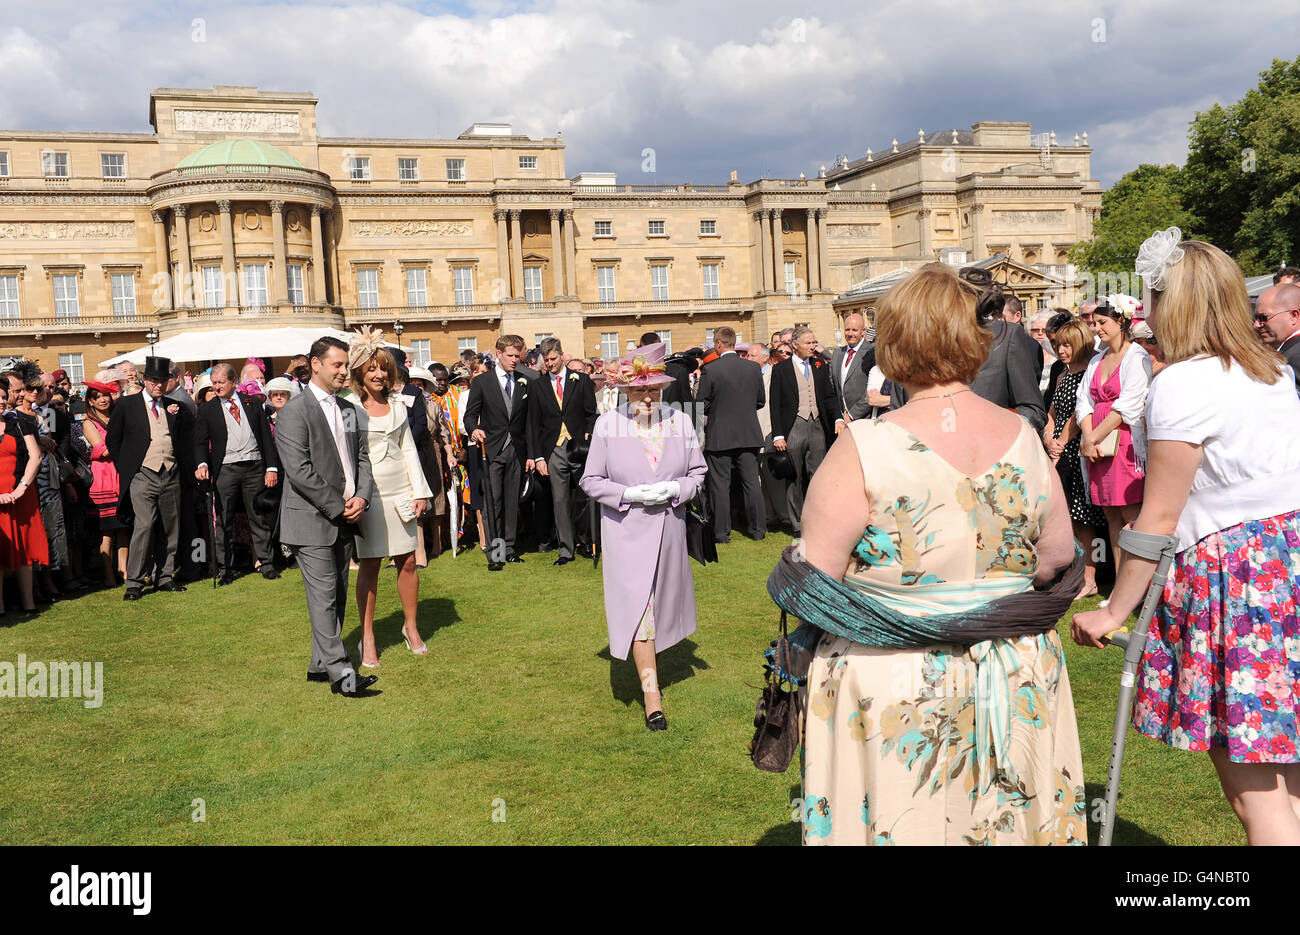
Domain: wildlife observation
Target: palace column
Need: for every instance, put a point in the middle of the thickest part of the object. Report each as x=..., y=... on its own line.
x=557, y=252
x=813, y=260
x=765, y=251
x=317, y=258
x=183, y=254
x=976, y=232
x=516, y=255
x=280, y=292
x=822, y=278
x=503, y=255
x=229, y=279
x=778, y=251
x=923, y=224
x=162, y=258
x=570, y=255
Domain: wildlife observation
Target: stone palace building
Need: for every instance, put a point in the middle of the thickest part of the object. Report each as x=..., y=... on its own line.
x=234, y=213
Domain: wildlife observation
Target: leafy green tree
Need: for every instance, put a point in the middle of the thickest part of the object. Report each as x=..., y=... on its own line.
x=1144, y=200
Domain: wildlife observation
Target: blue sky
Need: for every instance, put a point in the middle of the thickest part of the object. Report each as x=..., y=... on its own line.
x=763, y=87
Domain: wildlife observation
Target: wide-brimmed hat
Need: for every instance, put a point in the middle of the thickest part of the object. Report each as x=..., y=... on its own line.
x=420, y=373
x=108, y=389
x=157, y=368
x=278, y=385
x=639, y=369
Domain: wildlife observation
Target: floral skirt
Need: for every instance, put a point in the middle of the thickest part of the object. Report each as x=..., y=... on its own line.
x=890, y=751
x=1222, y=660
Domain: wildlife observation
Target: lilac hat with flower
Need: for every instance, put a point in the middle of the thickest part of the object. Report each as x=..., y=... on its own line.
x=639, y=369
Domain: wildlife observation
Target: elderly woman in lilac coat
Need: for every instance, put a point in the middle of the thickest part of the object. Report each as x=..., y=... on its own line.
x=644, y=466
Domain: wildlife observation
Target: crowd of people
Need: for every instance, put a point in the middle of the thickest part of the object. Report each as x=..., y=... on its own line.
x=1002, y=456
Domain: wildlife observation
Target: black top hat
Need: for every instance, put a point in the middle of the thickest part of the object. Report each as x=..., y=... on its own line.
x=157, y=368
x=780, y=464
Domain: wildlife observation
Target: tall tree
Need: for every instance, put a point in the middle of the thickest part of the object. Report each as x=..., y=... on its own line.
x=1144, y=200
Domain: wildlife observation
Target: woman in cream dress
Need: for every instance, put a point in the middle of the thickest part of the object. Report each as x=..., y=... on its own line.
x=399, y=485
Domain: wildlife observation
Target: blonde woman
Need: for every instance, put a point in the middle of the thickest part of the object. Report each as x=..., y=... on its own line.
x=1218, y=672
x=401, y=493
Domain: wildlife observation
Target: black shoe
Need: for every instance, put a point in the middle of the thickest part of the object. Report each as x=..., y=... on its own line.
x=225, y=579
x=362, y=683
x=562, y=560
x=132, y=594
x=584, y=551
x=514, y=559
x=269, y=572
x=318, y=676
x=495, y=566
x=656, y=721
x=170, y=586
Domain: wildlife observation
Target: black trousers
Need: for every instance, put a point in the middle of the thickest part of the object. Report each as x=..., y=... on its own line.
x=240, y=480
x=721, y=464
x=501, y=508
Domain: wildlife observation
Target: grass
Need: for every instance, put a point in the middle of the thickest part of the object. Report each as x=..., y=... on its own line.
x=518, y=710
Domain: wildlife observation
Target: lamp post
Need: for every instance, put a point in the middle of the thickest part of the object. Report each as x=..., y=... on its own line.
x=397, y=330
x=152, y=337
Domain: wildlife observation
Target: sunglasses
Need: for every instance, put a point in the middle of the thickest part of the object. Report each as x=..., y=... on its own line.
x=1261, y=318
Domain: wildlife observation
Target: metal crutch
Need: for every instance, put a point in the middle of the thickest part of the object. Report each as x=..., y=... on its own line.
x=1159, y=549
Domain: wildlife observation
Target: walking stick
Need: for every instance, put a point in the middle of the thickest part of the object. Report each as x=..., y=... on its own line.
x=1159, y=549
x=453, y=507
x=593, y=519
x=212, y=528
x=489, y=521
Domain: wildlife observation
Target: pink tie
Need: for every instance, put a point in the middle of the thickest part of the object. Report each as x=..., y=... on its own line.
x=559, y=388
x=852, y=351
x=155, y=410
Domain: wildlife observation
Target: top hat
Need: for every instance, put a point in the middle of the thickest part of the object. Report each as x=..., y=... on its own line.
x=157, y=368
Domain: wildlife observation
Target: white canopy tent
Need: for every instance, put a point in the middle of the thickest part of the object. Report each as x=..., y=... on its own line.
x=233, y=343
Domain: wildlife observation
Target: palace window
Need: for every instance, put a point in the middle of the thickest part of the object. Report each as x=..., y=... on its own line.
x=462, y=278
x=367, y=288
x=711, y=288
x=540, y=336
x=455, y=170
x=4, y=165
x=708, y=338
x=421, y=356
x=297, y=284
x=667, y=338
x=709, y=228
x=791, y=283
x=603, y=229
x=214, y=287
x=609, y=345
x=408, y=170
x=359, y=168
x=112, y=165
x=417, y=292
x=255, y=285
x=605, y=284
x=527, y=162
x=533, y=283
x=65, y=296
x=659, y=281
x=656, y=228
x=466, y=344
x=75, y=365
x=9, y=307
x=123, y=295
x=54, y=165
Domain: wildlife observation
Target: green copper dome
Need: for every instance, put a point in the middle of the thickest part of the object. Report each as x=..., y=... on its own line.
x=239, y=153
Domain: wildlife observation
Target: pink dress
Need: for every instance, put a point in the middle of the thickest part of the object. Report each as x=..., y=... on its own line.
x=1115, y=481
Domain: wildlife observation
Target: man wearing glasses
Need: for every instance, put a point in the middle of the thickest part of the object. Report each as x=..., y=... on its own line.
x=1277, y=318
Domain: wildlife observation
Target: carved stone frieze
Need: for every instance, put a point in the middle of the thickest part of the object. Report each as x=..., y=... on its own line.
x=853, y=231
x=67, y=230
x=1031, y=219
x=411, y=228
x=236, y=121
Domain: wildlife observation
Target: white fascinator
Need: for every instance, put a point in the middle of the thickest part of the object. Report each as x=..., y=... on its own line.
x=1157, y=253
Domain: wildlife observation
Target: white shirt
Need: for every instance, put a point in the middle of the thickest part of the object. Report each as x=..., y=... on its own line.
x=329, y=405
x=846, y=364
x=1250, y=438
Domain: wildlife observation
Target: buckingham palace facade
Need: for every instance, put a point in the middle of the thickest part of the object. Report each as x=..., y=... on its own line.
x=234, y=213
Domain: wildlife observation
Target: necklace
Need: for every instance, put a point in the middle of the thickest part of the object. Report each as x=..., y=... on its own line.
x=940, y=395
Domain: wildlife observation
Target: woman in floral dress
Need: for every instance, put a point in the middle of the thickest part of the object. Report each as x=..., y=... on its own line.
x=939, y=744
x=1220, y=671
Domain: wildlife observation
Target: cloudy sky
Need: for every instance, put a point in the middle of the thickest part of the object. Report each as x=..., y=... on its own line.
x=763, y=87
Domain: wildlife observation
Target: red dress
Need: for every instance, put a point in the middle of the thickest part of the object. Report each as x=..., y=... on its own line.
x=22, y=534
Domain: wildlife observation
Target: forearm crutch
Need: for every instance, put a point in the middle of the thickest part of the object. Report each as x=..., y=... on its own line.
x=1159, y=549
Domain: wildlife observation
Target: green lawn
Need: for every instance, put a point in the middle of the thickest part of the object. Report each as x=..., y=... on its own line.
x=518, y=708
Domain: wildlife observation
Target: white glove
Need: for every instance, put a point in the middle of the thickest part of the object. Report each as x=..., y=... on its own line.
x=664, y=492
x=637, y=494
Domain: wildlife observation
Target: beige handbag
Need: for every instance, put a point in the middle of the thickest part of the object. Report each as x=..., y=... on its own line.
x=1108, y=446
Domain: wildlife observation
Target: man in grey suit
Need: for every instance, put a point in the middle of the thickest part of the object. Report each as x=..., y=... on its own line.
x=327, y=486
x=849, y=373
x=1277, y=316
x=729, y=397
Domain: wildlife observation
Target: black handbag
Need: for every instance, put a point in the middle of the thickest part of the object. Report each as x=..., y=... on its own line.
x=778, y=717
x=700, y=544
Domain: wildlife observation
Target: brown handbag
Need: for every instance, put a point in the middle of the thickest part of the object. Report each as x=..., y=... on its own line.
x=778, y=718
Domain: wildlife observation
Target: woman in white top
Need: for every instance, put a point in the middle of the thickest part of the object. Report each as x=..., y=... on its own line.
x=1219, y=666
x=1112, y=398
x=388, y=526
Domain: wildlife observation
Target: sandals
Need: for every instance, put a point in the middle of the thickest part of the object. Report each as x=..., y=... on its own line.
x=1087, y=592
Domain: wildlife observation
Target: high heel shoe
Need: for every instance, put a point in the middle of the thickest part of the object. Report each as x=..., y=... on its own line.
x=361, y=655
x=422, y=651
